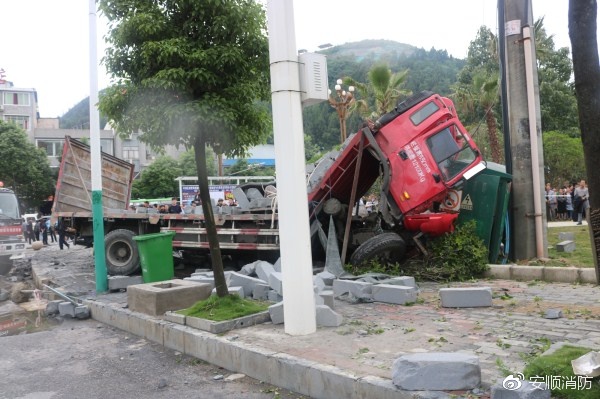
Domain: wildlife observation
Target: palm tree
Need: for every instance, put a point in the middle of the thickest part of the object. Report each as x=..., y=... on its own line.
x=482, y=93
x=382, y=90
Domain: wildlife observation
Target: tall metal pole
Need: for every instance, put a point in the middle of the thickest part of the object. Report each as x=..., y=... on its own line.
x=96, y=159
x=525, y=132
x=296, y=260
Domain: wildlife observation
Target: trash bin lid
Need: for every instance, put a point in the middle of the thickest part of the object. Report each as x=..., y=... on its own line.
x=145, y=237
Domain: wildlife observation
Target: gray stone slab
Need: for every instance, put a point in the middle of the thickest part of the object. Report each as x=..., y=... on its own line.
x=249, y=269
x=247, y=282
x=466, y=297
x=239, y=291
x=561, y=274
x=327, y=317
x=327, y=277
x=526, y=273
x=122, y=282
x=202, y=279
x=327, y=297
x=514, y=388
x=437, y=371
x=264, y=270
x=273, y=296
x=565, y=246
x=81, y=312
x=275, y=282
x=553, y=314
x=277, y=265
x=254, y=193
x=333, y=261
x=358, y=289
x=499, y=272
x=276, y=313
x=261, y=292
x=52, y=307
x=241, y=198
x=175, y=317
x=398, y=294
x=318, y=284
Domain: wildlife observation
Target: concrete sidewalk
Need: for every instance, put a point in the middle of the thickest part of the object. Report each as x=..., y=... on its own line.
x=355, y=359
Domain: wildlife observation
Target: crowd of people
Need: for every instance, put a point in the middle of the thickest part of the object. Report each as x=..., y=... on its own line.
x=175, y=207
x=570, y=202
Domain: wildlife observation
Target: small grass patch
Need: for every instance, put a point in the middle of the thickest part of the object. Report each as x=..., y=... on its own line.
x=228, y=307
x=557, y=366
x=581, y=257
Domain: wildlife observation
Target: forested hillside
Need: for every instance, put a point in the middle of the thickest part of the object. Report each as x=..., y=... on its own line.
x=78, y=117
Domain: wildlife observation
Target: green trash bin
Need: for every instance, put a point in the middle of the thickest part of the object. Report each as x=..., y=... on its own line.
x=156, y=256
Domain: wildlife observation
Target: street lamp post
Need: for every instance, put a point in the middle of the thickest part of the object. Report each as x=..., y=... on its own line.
x=341, y=101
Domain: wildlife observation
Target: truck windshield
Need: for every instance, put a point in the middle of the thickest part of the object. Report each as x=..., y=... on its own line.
x=9, y=208
x=451, y=152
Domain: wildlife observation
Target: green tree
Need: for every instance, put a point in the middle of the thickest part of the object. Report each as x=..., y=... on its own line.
x=23, y=167
x=189, y=72
x=563, y=158
x=187, y=163
x=158, y=179
x=381, y=92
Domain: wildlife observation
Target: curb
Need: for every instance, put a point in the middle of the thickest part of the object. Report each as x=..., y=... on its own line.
x=549, y=274
x=280, y=369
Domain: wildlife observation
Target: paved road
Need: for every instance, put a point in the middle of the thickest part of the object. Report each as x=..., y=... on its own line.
x=86, y=359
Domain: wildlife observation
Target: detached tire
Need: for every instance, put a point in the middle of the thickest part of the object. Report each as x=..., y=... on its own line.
x=122, y=255
x=386, y=248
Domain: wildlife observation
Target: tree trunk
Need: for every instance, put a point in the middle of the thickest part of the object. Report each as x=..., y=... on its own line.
x=586, y=68
x=490, y=121
x=209, y=217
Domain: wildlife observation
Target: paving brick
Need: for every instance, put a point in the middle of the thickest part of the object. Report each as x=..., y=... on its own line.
x=66, y=309
x=357, y=288
x=175, y=317
x=327, y=317
x=263, y=270
x=502, y=272
x=466, y=297
x=398, y=294
x=174, y=337
x=122, y=282
x=561, y=274
x=587, y=275
x=527, y=273
x=565, y=246
x=275, y=282
x=436, y=371
x=276, y=313
x=526, y=390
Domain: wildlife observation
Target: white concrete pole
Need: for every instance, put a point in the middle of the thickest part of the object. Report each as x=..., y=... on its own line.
x=96, y=160
x=296, y=261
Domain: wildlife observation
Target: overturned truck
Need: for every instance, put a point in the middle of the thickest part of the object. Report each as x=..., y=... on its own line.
x=419, y=152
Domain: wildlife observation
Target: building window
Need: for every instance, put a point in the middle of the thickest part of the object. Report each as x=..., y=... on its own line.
x=53, y=148
x=131, y=153
x=107, y=146
x=16, y=98
x=19, y=120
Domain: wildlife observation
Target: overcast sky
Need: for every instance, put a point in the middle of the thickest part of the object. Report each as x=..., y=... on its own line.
x=45, y=43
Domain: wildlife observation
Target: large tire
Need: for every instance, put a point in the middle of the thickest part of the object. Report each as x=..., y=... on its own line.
x=386, y=248
x=122, y=255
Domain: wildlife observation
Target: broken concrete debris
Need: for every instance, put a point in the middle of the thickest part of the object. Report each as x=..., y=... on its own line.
x=553, y=314
x=466, y=297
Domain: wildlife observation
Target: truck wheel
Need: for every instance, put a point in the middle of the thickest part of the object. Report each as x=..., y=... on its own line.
x=386, y=248
x=122, y=256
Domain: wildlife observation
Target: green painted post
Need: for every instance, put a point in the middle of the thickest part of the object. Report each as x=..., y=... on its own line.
x=99, y=255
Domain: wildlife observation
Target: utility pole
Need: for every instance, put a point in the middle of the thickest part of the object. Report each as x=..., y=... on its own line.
x=524, y=131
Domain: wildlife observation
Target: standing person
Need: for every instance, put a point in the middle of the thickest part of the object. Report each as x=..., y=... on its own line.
x=50, y=228
x=36, y=230
x=551, y=203
x=562, y=204
x=61, y=235
x=581, y=196
x=29, y=234
x=175, y=207
x=197, y=198
x=569, y=196
x=44, y=231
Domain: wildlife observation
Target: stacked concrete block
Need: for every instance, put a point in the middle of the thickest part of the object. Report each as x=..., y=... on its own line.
x=327, y=298
x=276, y=313
x=275, y=282
x=358, y=289
x=273, y=296
x=327, y=277
x=397, y=294
x=436, y=371
x=406, y=281
x=247, y=282
x=318, y=284
x=326, y=317
x=122, y=282
x=264, y=270
x=239, y=291
x=261, y=292
x=249, y=269
x=467, y=297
